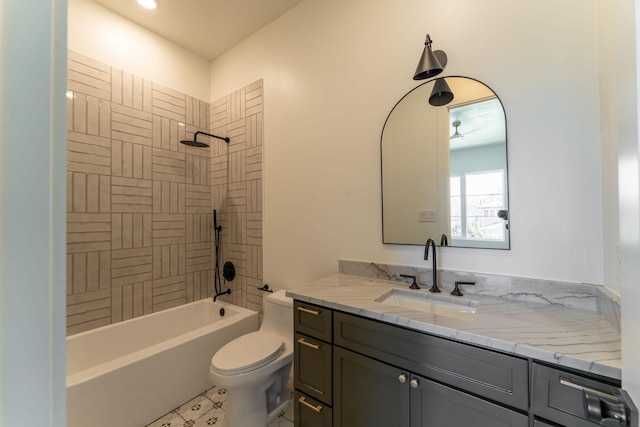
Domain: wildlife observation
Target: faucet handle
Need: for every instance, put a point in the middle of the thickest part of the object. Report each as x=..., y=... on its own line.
x=414, y=285
x=456, y=289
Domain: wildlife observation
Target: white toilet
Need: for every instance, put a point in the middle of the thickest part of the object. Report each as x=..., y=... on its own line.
x=255, y=368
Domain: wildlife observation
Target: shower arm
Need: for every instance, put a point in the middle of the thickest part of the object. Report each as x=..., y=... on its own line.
x=195, y=136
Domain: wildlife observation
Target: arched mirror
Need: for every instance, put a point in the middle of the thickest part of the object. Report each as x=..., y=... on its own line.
x=444, y=168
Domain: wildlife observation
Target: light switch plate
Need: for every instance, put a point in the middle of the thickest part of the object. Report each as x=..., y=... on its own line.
x=427, y=215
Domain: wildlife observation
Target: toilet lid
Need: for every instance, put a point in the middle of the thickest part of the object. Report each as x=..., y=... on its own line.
x=248, y=352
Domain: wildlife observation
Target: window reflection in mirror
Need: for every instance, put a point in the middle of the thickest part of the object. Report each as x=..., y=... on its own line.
x=444, y=169
x=477, y=171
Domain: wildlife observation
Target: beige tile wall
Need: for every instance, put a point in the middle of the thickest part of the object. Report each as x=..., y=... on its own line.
x=138, y=202
x=236, y=189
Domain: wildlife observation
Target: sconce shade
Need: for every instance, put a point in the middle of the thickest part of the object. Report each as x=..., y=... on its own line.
x=431, y=63
x=441, y=93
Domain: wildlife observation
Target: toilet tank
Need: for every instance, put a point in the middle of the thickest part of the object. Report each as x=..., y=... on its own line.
x=278, y=314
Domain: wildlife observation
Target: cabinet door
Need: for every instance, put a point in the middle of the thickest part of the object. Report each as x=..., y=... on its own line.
x=436, y=405
x=368, y=393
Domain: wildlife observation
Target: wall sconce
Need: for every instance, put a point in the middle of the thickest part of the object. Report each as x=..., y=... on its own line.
x=431, y=62
x=441, y=93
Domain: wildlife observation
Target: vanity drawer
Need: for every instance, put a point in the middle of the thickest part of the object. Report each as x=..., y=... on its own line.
x=308, y=412
x=488, y=374
x=559, y=395
x=312, y=367
x=312, y=320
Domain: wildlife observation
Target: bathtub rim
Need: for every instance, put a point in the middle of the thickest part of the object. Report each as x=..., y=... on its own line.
x=91, y=373
x=158, y=313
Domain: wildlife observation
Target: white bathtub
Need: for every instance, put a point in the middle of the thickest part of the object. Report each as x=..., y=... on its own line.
x=133, y=372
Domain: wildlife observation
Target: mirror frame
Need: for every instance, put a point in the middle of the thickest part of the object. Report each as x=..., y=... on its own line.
x=507, y=222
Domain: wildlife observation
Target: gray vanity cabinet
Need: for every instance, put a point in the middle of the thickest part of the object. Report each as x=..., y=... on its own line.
x=352, y=371
x=369, y=393
x=495, y=376
x=394, y=389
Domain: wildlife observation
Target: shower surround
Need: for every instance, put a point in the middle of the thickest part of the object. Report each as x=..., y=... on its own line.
x=139, y=203
x=236, y=189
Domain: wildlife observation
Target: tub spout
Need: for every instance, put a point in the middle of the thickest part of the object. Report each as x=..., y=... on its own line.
x=217, y=294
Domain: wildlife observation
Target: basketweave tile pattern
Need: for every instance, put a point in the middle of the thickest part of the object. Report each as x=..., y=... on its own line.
x=236, y=188
x=138, y=201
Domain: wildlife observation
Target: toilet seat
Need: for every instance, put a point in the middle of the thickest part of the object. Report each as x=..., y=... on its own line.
x=247, y=353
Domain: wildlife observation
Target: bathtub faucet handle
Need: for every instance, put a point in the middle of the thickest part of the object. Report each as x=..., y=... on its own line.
x=265, y=288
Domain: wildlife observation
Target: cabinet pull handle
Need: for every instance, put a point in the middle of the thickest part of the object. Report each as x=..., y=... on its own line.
x=317, y=408
x=414, y=383
x=402, y=378
x=309, y=311
x=308, y=344
x=567, y=382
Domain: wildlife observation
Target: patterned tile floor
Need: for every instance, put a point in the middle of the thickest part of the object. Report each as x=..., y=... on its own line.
x=208, y=409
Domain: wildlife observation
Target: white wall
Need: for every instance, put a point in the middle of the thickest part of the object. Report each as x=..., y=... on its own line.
x=333, y=70
x=32, y=212
x=617, y=64
x=629, y=162
x=619, y=83
x=100, y=34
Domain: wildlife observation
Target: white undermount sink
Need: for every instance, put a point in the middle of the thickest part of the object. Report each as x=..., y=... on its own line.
x=428, y=303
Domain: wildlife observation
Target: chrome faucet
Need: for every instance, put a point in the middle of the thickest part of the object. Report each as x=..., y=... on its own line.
x=432, y=243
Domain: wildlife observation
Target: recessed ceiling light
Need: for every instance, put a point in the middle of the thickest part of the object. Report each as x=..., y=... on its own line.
x=148, y=4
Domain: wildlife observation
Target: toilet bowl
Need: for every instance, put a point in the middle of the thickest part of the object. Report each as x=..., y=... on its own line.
x=255, y=368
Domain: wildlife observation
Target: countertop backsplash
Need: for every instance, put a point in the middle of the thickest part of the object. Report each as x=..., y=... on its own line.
x=572, y=295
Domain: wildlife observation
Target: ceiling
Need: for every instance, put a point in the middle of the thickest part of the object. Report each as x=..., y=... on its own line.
x=207, y=28
x=479, y=123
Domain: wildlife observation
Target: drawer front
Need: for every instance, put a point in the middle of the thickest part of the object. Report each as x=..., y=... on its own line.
x=312, y=367
x=489, y=374
x=559, y=396
x=312, y=320
x=308, y=412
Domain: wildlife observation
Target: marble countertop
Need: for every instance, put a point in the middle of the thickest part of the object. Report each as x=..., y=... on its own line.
x=569, y=337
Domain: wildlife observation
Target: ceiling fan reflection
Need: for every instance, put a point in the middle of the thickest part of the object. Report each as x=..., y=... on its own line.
x=457, y=135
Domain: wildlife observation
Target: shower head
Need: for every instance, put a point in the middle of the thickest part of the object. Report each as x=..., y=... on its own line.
x=195, y=143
